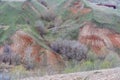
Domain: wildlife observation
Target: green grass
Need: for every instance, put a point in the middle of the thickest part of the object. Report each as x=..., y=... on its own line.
x=111, y=61
x=8, y=14
x=12, y=13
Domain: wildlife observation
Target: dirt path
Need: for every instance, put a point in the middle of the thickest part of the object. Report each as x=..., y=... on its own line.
x=106, y=74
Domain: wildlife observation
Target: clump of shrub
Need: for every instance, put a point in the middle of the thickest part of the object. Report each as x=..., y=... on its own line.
x=70, y=34
x=48, y=15
x=40, y=28
x=112, y=60
x=70, y=50
x=18, y=72
x=7, y=56
x=28, y=60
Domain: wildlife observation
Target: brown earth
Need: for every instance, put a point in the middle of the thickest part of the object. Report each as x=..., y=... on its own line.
x=23, y=44
x=100, y=40
x=106, y=74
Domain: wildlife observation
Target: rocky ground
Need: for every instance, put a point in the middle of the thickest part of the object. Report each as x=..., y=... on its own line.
x=106, y=74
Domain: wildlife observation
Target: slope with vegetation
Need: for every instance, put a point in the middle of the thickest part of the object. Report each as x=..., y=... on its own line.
x=59, y=36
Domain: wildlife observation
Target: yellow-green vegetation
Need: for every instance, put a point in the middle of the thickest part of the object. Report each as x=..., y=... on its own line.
x=111, y=61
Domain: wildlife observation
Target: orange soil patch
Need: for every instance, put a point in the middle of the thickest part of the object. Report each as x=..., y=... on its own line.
x=78, y=7
x=23, y=43
x=99, y=39
x=115, y=39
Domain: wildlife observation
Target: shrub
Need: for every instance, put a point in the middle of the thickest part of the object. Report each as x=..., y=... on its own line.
x=70, y=49
x=39, y=26
x=28, y=60
x=71, y=34
x=18, y=72
x=48, y=15
x=6, y=55
x=113, y=59
x=71, y=69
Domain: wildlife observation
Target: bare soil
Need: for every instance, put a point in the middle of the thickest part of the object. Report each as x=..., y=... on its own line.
x=106, y=74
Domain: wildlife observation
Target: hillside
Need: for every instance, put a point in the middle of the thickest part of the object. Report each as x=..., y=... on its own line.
x=12, y=13
x=43, y=37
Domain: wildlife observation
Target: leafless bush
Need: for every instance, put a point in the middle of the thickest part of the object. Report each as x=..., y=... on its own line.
x=28, y=60
x=8, y=56
x=49, y=15
x=70, y=49
x=39, y=25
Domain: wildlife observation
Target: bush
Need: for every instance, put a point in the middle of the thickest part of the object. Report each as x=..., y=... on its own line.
x=113, y=59
x=39, y=26
x=18, y=72
x=28, y=60
x=93, y=63
x=72, y=68
x=8, y=56
x=70, y=49
x=71, y=34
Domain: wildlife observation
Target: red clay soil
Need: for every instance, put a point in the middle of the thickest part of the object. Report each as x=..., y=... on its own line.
x=99, y=39
x=78, y=8
x=23, y=43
